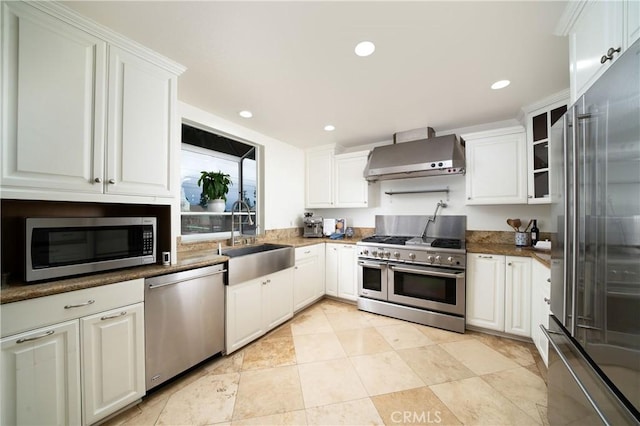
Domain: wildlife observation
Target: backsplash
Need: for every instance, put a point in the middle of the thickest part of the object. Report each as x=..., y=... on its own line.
x=497, y=237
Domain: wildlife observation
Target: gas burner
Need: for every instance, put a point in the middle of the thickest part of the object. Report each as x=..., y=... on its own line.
x=446, y=243
x=387, y=239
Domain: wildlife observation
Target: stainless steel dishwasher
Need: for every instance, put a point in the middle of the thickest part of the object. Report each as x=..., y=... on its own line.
x=184, y=321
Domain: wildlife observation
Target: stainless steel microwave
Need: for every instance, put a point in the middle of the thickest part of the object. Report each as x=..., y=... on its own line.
x=62, y=247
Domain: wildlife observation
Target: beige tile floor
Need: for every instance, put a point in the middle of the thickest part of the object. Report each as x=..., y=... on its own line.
x=334, y=365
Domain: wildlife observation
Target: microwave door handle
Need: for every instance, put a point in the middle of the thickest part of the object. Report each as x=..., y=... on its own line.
x=432, y=273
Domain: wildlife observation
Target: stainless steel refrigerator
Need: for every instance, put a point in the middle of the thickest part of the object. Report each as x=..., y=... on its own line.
x=594, y=328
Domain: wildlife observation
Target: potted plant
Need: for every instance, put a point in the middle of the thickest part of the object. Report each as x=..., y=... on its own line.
x=215, y=186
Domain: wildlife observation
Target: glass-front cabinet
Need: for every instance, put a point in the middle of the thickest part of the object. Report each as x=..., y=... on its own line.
x=539, y=122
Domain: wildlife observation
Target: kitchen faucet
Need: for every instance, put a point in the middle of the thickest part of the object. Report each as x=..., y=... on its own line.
x=239, y=203
x=433, y=218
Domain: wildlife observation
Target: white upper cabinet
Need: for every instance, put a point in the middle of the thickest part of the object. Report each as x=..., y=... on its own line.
x=540, y=117
x=351, y=189
x=335, y=180
x=319, y=179
x=139, y=148
x=89, y=115
x=496, y=166
x=599, y=32
x=55, y=76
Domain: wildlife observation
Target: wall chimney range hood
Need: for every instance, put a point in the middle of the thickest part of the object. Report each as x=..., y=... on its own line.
x=416, y=153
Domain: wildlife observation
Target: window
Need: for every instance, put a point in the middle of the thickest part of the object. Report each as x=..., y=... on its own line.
x=204, y=150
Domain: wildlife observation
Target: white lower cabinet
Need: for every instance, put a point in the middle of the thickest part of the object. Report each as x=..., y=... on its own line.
x=112, y=345
x=517, y=307
x=541, y=293
x=257, y=306
x=308, y=275
x=499, y=293
x=93, y=337
x=341, y=271
x=41, y=376
x=485, y=291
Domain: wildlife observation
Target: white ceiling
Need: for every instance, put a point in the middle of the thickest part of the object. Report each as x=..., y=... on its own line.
x=292, y=63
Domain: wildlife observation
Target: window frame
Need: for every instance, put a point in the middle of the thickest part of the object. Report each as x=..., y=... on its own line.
x=259, y=200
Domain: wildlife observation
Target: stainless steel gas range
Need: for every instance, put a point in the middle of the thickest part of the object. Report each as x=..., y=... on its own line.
x=413, y=268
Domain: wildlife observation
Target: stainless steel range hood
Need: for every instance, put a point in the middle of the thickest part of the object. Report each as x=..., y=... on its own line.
x=427, y=156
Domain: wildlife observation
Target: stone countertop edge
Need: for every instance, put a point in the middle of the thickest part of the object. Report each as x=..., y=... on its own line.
x=196, y=259
x=542, y=256
x=17, y=291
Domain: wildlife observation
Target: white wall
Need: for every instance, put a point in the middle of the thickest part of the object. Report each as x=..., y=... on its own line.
x=283, y=179
x=481, y=218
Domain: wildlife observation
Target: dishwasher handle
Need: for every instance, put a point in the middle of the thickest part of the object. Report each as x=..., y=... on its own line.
x=180, y=279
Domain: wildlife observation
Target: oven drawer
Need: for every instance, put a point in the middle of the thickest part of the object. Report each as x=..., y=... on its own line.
x=437, y=289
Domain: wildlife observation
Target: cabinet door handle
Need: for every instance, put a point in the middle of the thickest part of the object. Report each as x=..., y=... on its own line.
x=112, y=181
x=509, y=263
x=29, y=339
x=546, y=299
x=97, y=180
x=548, y=280
x=89, y=302
x=609, y=55
x=121, y=314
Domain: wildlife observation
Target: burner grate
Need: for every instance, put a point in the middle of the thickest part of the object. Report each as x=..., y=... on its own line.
x=387, y=239
x=447, y=243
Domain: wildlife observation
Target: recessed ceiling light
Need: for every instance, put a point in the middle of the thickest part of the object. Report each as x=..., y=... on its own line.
x=245, y=114
x=329, y=127
x=501, y=84
x=365, y=48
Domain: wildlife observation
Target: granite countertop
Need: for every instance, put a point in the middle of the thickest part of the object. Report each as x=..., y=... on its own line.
x=542, y=256
x=16, y=291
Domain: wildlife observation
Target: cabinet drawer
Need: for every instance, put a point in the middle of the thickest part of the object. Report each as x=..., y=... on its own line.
x=309, y=251
x=33, y=313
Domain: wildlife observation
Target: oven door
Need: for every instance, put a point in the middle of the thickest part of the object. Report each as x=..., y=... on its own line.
x=436, y=289
x=372, y=279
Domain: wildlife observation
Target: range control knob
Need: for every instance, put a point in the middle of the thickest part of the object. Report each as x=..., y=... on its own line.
x=438, y=259
x=365, y=252
x=396, y=254
x=374, y=253
x=430, y=259
x=387, y=254
x=412, y=256
x=450, y=260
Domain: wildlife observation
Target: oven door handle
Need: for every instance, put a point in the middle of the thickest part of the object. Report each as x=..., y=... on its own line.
x=372, y=265
x=430, y=272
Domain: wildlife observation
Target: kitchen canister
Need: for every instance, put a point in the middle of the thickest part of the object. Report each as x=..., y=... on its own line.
x=523, y=239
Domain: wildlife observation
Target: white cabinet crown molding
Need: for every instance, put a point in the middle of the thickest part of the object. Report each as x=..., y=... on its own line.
x=569, y=17
x=561, y=96
x=491, y=133
x=72, y=17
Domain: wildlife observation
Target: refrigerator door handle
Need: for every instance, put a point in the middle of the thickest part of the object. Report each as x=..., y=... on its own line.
x=566, y=363
x=574, y=222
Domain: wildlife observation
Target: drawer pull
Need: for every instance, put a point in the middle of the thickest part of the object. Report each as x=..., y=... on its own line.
x=307, y=252
x=90, y=302
x=485, y=257
x=123, y=313
x=28, y=339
